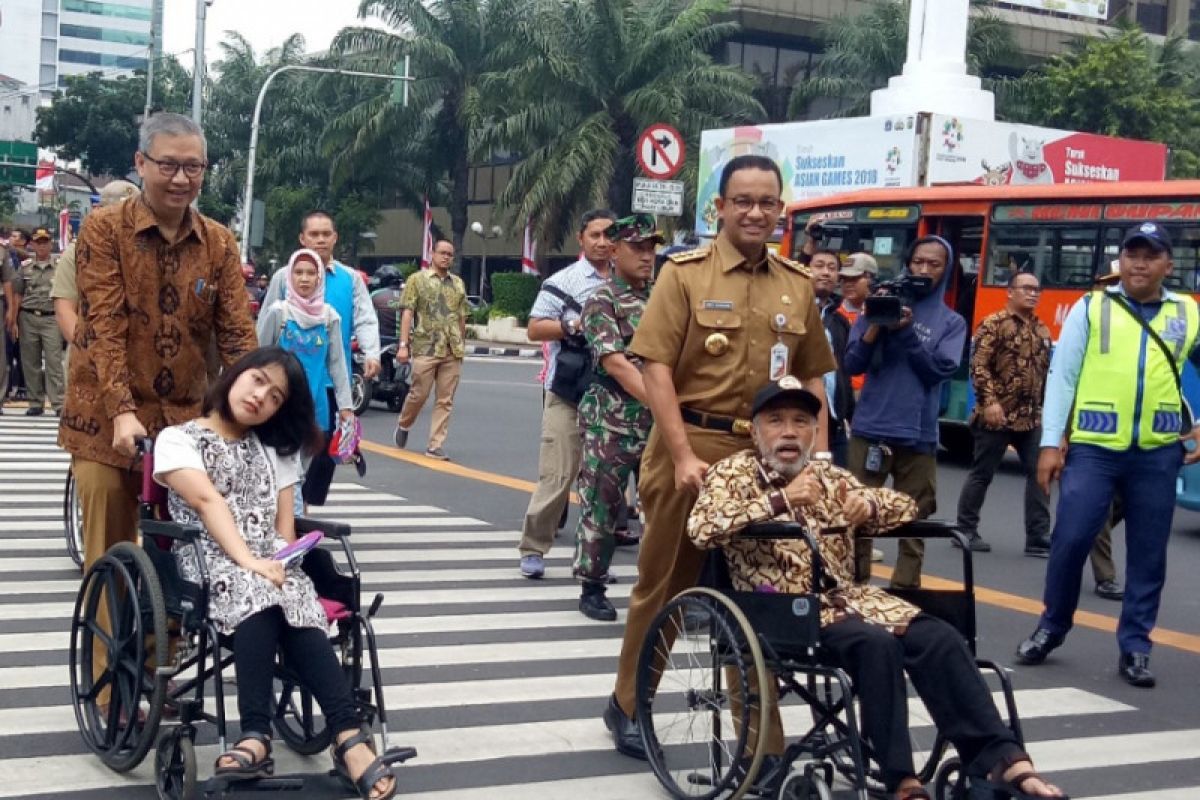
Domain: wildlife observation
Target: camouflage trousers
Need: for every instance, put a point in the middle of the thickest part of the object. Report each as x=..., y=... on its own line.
x=608, y=459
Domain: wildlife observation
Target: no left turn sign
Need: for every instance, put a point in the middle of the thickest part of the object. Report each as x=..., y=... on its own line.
x=660, y=151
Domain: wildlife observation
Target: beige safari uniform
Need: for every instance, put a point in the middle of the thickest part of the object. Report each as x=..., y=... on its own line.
x=40, y=339
x=64, y=288
x=715, y=318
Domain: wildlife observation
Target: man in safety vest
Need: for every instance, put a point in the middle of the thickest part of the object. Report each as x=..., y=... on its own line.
x=1115, y=375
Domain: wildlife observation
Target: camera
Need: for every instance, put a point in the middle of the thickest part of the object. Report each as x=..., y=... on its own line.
x=824, y=232
x=885, y=307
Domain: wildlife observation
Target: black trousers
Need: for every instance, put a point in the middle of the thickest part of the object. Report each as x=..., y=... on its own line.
x=945, y=676
x=990, y=446
x=307, y=651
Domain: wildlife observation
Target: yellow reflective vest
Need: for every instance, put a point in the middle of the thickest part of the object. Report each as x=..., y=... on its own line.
x=1126, y=393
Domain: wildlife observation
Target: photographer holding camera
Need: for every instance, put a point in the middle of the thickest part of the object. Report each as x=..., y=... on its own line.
x=908, y=343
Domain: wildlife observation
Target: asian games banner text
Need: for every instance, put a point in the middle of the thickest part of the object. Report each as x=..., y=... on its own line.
x=816, y=158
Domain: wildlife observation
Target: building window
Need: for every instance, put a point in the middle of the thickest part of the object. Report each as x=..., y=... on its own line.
x=104, y=34
x=101, y=59
x=107, y=9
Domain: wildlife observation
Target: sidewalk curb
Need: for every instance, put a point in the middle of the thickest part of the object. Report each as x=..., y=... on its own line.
x=508, y=352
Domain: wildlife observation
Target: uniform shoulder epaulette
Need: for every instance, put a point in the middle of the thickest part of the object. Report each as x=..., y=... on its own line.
x=787, y=262
x=688, y=256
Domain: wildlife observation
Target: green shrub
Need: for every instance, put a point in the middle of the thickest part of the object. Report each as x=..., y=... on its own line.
x=480, y=315
x=408, y=268
x=513, y=294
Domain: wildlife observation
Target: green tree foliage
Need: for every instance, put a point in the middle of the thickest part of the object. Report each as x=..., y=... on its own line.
x=587, y=77
x=95, y=118
x=863, y=51
x=1120, y=84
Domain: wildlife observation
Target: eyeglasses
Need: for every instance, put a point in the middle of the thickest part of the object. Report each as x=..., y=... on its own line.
x=769, y=205
x=169, y=169
x=1029, y=289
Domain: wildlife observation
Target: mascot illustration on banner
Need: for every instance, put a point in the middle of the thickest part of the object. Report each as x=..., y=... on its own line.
x=1028, y=160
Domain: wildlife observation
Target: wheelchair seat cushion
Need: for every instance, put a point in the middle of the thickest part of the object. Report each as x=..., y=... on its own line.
x=334, y=611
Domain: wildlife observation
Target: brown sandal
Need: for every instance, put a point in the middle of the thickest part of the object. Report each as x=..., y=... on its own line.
x=1012, y=787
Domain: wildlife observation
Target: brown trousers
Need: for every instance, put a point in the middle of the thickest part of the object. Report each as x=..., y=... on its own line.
x=913, y=473
x=558, y=465
x=109, y=500
x=441, y=375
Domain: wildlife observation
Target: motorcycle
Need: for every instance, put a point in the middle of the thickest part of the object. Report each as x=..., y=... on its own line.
x=390, y=386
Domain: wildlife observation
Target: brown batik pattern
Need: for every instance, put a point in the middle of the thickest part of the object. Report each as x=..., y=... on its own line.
x=1011, y=356
x=738, y=491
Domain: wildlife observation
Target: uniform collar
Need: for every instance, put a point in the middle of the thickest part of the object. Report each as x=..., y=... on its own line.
x=625, y=286
x=144, y=219
x=730, y=257
x=1165, y=294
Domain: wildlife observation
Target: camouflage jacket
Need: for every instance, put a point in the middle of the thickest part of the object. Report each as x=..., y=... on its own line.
x=610, y=317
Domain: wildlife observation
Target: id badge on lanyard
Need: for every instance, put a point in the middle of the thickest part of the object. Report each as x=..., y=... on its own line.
x=779, y=353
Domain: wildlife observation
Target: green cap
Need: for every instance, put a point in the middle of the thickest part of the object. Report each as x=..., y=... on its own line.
x=635, y=228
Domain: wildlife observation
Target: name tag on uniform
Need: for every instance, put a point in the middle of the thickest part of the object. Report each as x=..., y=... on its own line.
x=779, y=360
x=718, y=305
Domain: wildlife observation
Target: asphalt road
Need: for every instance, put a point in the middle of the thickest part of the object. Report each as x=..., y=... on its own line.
x=499, y=682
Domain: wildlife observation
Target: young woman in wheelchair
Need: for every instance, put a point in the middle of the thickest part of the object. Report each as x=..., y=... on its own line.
x=233, y=472
x=875, y=636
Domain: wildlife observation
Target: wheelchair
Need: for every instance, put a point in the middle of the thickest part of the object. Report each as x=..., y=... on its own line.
x=716, y=663
x=161, y=651
x=73, y=519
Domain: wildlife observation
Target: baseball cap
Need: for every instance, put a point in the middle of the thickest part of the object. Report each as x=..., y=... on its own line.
x=635, y=229
x=1151, y=233
x=859, y=264
x=41, y=233
x=116, y=191
x=786, y=391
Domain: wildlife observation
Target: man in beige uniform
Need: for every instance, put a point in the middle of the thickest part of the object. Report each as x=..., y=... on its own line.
x=721, y=322
x=37, y=331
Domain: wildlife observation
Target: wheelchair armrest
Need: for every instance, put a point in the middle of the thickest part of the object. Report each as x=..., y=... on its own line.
x=172, y=530
x=928, y=529
x=334, y=530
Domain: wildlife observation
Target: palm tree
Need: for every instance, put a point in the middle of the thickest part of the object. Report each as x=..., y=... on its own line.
x=454, y=45
x=587, y=77
x=862, y=52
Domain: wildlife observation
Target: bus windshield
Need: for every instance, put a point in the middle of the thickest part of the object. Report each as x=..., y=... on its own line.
x=882, y=231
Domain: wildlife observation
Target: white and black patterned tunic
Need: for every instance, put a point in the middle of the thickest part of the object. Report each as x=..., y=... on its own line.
x=249, y=475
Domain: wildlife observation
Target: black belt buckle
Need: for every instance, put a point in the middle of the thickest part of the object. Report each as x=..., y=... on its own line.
x=35, y=312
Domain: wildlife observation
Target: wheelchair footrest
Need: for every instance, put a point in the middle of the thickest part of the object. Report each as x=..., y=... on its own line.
x=218, y=786
x=398, y=755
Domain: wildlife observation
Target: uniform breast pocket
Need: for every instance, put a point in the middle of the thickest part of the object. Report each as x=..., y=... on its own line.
x=720, y=329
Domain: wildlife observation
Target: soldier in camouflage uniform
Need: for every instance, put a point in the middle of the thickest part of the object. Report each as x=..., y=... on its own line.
x=613, y=413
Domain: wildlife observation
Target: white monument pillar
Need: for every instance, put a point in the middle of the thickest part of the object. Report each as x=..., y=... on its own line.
x=935, y=76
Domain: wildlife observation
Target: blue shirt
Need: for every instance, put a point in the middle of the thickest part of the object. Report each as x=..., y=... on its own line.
x=579, y=281
x=1067, y=361
x=348, y=294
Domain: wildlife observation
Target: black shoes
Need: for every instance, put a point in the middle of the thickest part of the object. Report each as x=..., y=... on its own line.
x=594, y=604
x=1037, y=548
x=1110, y=590
x=1134, y=669
x=400, y=437
x=34, y=411
x=1035, y=649
x=976, y=543
x=627, y=738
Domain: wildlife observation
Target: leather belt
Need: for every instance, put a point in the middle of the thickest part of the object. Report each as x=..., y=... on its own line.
x=37, y=313
x=715, y=422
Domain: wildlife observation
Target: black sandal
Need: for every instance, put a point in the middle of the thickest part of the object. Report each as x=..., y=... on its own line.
x=1012, y=787
x=375, y=772
x=247, y=768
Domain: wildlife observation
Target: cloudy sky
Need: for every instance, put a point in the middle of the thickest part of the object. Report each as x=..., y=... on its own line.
x=266, y=23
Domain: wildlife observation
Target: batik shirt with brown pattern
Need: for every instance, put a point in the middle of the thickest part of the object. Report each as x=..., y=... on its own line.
x=740, y=490
x=1011, y=356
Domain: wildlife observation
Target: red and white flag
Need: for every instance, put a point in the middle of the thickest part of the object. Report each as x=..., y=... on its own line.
x=529, y=250
x=44, y=177
x=64, y=229
x=427, y=238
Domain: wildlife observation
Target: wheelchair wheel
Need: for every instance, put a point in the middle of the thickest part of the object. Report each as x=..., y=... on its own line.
x=175, y=766
x=73, y=520
x=116, y=690
x=948, y=783
x=701, y=701
x=799, y=786
x=295, y=714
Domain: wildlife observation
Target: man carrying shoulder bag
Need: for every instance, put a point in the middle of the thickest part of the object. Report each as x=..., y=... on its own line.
x=556, y=318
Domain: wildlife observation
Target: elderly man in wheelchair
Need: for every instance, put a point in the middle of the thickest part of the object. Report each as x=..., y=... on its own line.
x=212, y=586
x=873, y=635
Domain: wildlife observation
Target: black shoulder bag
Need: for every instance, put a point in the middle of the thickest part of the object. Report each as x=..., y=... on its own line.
x=1185, y=409
x=573, y=365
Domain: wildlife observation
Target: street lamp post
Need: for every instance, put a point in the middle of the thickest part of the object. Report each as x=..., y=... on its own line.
x=251, y=154
x=198, y=68
x=495, y=233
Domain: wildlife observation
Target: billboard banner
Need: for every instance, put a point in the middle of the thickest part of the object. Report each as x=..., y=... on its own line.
x=816, y=158
x=966, y=151
x=1096, y=9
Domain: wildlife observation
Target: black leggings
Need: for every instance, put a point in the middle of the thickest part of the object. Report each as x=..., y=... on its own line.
x=945, y=676
x=307, y=651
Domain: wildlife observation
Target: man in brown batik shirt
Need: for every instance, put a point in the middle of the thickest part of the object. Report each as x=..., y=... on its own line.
x=1009, y=362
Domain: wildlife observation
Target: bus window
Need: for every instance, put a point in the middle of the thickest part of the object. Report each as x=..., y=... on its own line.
x=886, y=242
x=1061, y=257
x=1186, y=241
